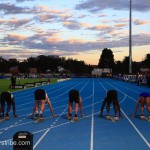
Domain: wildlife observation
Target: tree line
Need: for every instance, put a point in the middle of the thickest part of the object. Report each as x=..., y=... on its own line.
x=44, y=63
x=107, y=61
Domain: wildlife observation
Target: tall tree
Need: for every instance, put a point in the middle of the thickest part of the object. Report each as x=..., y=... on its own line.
x=107, y=59
x=3, y=65
x=147, y=61
x=125, y=64
x=118, y=67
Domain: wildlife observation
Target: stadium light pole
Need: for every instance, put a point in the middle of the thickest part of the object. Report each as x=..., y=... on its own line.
x=130, y=38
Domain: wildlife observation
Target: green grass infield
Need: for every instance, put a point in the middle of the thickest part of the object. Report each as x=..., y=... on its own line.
x=5, y=83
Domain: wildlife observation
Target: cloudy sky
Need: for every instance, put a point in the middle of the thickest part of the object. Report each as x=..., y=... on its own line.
x=79, y=29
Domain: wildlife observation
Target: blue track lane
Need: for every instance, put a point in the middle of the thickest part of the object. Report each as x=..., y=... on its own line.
x=90, y=132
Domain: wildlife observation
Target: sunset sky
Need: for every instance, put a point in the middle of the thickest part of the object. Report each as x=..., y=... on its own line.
x=78, y=29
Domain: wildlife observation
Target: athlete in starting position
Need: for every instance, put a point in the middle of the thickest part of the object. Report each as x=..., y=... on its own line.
x=7, y=98
x=144, y=100
x=75, y=97
x=41, y=97
x=111, y=98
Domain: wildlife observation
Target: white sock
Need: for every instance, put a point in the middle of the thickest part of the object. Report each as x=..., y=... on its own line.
x=36, y=112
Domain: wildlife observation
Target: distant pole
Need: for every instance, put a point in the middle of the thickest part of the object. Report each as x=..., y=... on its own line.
x=130, y=39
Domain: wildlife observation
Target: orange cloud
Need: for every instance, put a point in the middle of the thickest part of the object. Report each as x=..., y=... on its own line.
x=120, y=25
x=53, y=11
x=76, y=41
x=100, y=27
x=67, y=23
x=16, y=37
x=53, y=40
x=2, y=21
x=45, y=9
x=17, y=22
x=141, y=22
x=85, y=25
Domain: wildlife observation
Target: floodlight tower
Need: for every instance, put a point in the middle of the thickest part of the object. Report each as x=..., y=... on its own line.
x=130, y=38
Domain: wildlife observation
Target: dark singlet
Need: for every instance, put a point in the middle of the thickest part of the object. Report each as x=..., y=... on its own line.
x=145, y=95
x=74, y=96
x=40, y=94
x=6, y=97
x=111, y=96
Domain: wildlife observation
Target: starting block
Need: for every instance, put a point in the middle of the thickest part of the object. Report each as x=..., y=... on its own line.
x=113, y=119
x=116, y=118
x=69, y=117
x=72, y=119
x=147, y=118
x=108, y=117
x=41, y=119
x=36, y=120
x=75, y=119
x=2, y=120
x=142, y=117
x=7, y=118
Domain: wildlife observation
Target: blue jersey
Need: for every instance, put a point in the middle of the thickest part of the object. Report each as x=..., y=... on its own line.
x=145, y=95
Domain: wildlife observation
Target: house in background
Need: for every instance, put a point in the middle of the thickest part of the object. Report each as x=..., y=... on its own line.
x=101, y=72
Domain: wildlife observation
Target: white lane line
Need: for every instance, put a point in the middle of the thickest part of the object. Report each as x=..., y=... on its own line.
x=54, y=97
x=51, y=92
x=24, y=115
x=120, y=91
x=29, y=122
x=18, y=101
x=147, y=143
x=92, y=121
x=125, y=83
x=144, y=139
x=56, y=126
x=126, y=87
x=26, y=91
x=45, y=133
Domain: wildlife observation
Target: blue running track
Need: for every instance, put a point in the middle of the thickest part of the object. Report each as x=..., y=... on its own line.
x=90, y=132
